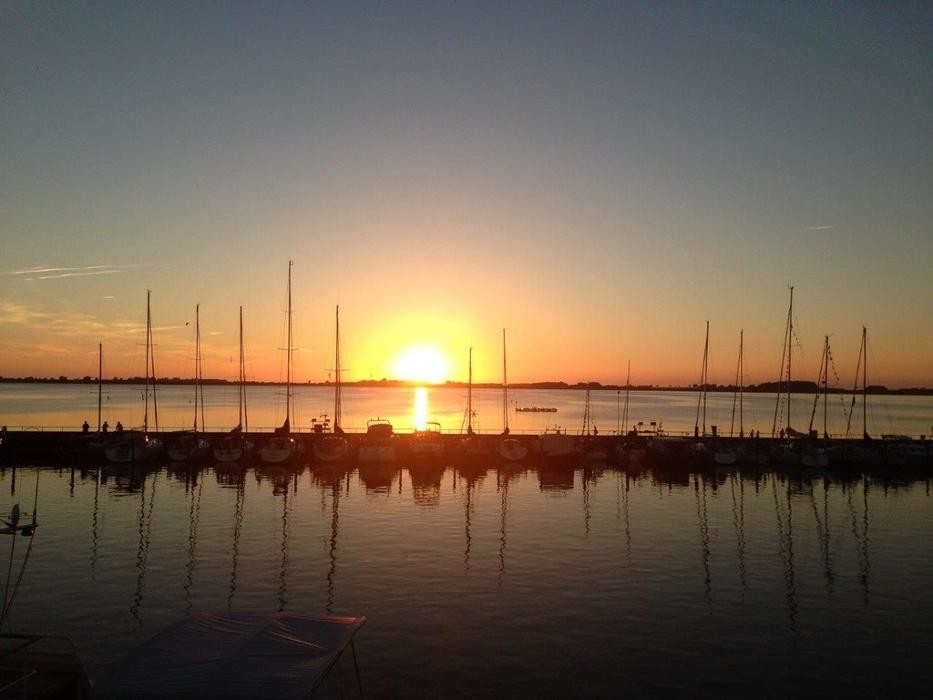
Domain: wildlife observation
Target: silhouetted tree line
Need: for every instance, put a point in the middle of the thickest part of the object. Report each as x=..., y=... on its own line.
x=797, y=387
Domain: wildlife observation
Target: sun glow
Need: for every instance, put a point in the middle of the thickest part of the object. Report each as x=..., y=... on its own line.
x=422, y=364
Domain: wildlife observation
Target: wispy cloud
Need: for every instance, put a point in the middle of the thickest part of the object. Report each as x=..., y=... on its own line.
x=823, y=227
x=11, y=312
x=42, y=272
x=72, y=274
x=68, y=324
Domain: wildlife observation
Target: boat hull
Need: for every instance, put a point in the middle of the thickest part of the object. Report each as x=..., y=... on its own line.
x=331, y=449
x=376, y=454
x=512, y=450
x=278, y=451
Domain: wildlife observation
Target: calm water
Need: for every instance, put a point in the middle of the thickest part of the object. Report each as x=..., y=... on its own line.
x=68, y=405
x=575, y=582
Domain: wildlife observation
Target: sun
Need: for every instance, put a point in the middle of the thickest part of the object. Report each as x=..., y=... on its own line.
x=422, y=364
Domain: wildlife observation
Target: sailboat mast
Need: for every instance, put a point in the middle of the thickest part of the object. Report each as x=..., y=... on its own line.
x=864, y=382
x=244, y=420
x=858, y=365
x=155, y=402
x=628, y=387
x=826, y=391
x=288, y=352
x=741, y=381
x=790, y=342
x=470, y=394
x=735, y=395
x=785, y=354
x=505, y=390
x=705, y=374
x=100, y=374
x=148, y=342
x=337, y=370
x=701, y=398
x=820, y=384
x=198, y=398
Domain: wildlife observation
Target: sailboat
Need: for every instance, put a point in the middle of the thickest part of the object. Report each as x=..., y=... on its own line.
x=725, y=456
x=786, y=357
x=867, y=450
x=234, y=446
x=187, y=446
x=282, y=447
x=138, y=446
x=699, y=447
x=701, y=395
x=471, y=445
x=784, y=452
x=92, y=442
x=334, y=447
x=100, y=383
x=510, y=449
x=630, y=448
x=813, y=455
x=863, y=365
x=809, y=455
x=588, y=445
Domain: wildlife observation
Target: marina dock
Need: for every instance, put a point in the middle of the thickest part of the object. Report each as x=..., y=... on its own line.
x=29, y=447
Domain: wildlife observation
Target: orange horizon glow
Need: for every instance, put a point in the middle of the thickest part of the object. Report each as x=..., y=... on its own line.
x=430, y=346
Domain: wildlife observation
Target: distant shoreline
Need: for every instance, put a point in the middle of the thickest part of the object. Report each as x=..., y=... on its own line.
x=764, y=388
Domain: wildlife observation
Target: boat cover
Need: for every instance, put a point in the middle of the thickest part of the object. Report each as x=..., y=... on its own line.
x=233, y=655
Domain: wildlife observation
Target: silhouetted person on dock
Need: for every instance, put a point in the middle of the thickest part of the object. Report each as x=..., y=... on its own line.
x=119, y=427
x=85, y=428
x=595, y=430
x=105, y=427
x=782, y=433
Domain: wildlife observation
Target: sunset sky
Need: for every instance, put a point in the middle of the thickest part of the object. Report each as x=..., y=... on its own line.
x=598, y=178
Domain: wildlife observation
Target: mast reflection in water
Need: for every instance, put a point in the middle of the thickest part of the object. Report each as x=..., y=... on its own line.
x=508, y=581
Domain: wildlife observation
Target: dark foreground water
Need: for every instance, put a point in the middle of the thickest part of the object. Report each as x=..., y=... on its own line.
x=576, y=582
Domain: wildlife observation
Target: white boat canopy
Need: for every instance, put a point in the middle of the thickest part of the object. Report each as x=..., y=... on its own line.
x=233, y=655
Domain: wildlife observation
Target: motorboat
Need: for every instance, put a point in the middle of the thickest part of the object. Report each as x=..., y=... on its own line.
x=379, y=443
x=428, y=442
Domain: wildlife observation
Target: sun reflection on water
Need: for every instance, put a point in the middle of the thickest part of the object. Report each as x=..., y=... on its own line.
x=421, y=408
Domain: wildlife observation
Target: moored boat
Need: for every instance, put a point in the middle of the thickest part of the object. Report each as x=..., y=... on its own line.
x=135, y=445
x=379, y=443
x=188, y=445
x=278, y=449
x=508, y=448
x=557, y=444
x=333, y=447
x=471, y=446
x=282, y=447
x=428, y=442
x=234, y=446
